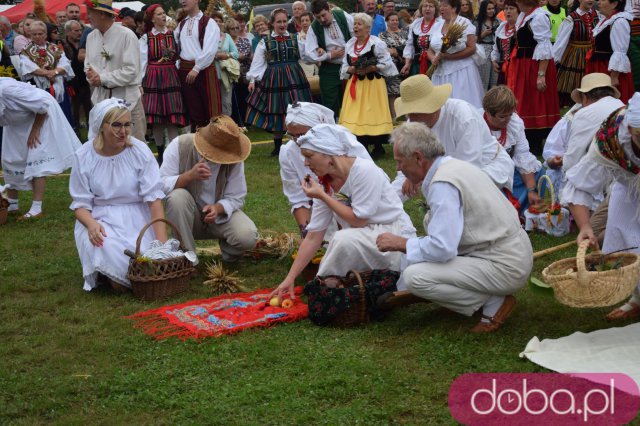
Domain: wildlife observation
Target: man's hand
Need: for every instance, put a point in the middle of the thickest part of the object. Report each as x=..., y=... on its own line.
x=210, y=212
x=93, y=78
x=200, y=171
x=391, y=242
x=320, y=51
x=586, y=233
x=336, y=53
x=191, y=77
x=409, y=189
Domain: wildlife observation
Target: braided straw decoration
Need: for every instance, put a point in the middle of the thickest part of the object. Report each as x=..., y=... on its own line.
x=575, y=286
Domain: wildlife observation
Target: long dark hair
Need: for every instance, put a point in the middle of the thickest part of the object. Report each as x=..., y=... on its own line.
x=482, y=16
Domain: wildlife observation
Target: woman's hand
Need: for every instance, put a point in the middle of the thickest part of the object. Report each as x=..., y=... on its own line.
x=34, y=138
x=496, y=68
x=586, y=233
x=437, y=58
x=554, y=162
x=96, y=233
x=405, y=69
x=541, y=83
x=222, y=56
x=250, y=87
x=534, y=198
x=393, y=51
x=351, y=70
x=313, y=189
x=285, y=287
x=615, y=81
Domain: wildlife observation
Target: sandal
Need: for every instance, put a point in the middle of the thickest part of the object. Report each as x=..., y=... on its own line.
x=621, y=313
x=28, y=217
x=496, y=321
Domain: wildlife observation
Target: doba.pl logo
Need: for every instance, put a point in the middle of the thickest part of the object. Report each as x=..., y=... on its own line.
x=552, y=398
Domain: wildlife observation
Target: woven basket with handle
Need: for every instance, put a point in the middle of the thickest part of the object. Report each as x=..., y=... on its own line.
x=359, y=312
x=576, y=286
x=159, y=279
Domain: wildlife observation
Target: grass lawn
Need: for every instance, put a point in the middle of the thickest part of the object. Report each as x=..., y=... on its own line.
x=69, y=357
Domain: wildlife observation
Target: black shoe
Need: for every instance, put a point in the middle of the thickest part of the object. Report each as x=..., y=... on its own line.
x=275, y=152
x=389, y=301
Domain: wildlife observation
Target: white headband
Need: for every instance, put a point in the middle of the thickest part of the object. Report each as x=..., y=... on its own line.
x=308, y=114
x=96, y=116
x=332, y=139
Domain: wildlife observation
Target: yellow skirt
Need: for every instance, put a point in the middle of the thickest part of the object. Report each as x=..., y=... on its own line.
x=368, y=114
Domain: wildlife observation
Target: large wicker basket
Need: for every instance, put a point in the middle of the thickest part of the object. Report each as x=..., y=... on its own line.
x=159, y=279
x=359, y=312
x=574, y=285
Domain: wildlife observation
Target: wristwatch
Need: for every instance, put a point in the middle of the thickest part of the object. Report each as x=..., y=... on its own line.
x=531, y=189
x=541, y=74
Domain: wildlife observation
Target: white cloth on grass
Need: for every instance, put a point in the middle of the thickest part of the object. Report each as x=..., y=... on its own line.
x=116, y=190
x=19, y=104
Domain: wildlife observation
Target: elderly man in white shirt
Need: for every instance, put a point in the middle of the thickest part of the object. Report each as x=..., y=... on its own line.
x=469, y=259
x=203, y=176
x=458, y=125
x=325, y=43
x=112, y=64
x=198, y=37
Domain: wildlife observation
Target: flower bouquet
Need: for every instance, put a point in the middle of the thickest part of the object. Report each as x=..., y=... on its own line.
x=450, y=39
x=551, y=218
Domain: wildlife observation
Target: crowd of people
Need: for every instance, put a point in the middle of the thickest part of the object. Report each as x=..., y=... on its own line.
x=480, y=86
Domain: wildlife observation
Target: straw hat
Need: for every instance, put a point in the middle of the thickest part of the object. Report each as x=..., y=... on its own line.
x=418, y=95
x=222, y=141
x=593, y=81
x=101, y=5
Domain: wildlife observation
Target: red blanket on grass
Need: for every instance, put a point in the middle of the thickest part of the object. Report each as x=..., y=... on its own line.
x=226, y=314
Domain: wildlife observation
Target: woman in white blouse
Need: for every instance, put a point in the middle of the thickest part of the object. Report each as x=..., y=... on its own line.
x=116, y=190
x=356, y=193
x=456, y=66
x=365, y=105
x=416, y=60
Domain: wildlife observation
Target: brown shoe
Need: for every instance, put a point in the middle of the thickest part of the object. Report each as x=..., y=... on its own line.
x=28, y=217
x=398, y=299
x=498, y=319
x=620, y=314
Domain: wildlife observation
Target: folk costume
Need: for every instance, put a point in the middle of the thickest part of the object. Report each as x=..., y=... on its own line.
x=488, y=76
x=122, y=208
x=115, y=56
x=461, y=73
x=570, y=51
x=612, y=155
x=609, y=51
x=395, y=40
x=279, y=81
x=48, y=57
x=334, y=36
x=224, y=148
x=163, y=102
x=556, y=146
x=633, y=7
x=198, y=37
x=418, y=42
x=368, y=192
x=501, y=52
x=538, y=110
x=365, y=107
x=19, y=104
x=514, y=141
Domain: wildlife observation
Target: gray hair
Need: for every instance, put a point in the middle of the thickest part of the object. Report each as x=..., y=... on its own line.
x=416, y=137
x=69, y=23
x=4, y=20
x=364, y=18
x=303, y=4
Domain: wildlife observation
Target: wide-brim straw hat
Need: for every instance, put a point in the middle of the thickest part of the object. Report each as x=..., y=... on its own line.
x=593, y=81
x=101, y=5
x=418, y=95
x=221, y=141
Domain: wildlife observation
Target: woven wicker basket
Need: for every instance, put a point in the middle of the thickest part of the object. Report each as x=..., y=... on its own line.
x=359, y=312
x=159, y=279
x=575, y=286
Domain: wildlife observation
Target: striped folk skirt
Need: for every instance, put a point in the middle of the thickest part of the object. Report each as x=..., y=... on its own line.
x=282, y=84
x=572, y=69
x=162, y=99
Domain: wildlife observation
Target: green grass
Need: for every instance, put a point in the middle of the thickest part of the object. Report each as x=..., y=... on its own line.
x=69, y=357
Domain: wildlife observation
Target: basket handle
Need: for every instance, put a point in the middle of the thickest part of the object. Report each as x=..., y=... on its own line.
x=144, y=229
x=583, y=275
x=363, y=306
x=552, y=190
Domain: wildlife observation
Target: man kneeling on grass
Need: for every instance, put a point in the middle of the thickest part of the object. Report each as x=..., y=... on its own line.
x=475, y=254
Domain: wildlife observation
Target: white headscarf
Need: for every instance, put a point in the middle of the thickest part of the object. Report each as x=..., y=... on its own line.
x=632, y=116
x=332, y=139
x=308, y=114
x=96, y=116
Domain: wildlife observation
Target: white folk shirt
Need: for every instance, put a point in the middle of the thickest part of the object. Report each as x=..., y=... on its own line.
x=292, y=173
x=620, y=36
x=189, y=42
x=234, y=192
x=385, y=64
x=517, y=141
x=333, y=40
x=120, y=72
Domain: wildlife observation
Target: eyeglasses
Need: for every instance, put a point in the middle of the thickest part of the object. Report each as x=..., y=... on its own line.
x=117, y=126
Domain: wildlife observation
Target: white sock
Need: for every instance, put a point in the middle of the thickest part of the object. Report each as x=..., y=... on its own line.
x=628, y=306
x=13, y=204
x=36, y=208
x=492, y=306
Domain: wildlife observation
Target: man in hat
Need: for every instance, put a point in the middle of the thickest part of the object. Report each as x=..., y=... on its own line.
x=198, y=37
x=469, y=259
x=325, y=44
x=127, y=17
x=112, y=63
x=203, y=175
x=459, y=127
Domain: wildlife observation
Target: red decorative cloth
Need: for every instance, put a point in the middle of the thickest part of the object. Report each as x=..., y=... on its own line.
x=218, y=316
